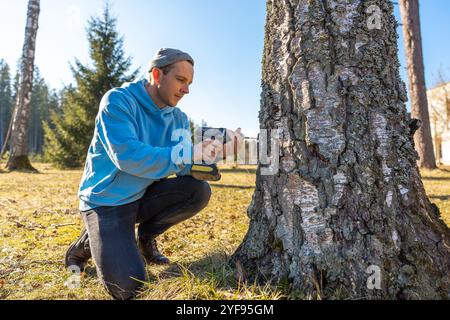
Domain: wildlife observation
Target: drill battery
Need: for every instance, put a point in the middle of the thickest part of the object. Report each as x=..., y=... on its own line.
x=204, y=171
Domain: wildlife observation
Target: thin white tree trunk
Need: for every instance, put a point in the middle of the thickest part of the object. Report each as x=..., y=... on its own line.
x=18, y=158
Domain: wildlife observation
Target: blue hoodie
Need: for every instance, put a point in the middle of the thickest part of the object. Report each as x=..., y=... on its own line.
x=131, y=147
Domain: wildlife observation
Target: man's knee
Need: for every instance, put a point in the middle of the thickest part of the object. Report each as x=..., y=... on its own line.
x=125, y=290
x=201, y=194
x=125, y=277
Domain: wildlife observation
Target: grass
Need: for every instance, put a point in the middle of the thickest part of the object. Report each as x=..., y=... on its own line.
x=39, y=218
x=437, y=186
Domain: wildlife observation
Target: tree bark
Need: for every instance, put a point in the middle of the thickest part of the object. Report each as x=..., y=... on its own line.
x=417, y=89
x=347, y=200
x=18, y=158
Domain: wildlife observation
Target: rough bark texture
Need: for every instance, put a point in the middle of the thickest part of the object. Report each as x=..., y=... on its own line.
x=417, y=90
x=348, y=194
x=19, y=143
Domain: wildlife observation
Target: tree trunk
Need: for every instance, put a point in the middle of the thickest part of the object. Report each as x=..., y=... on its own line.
x=414, y=59
x=346, y=215
x=18, y=158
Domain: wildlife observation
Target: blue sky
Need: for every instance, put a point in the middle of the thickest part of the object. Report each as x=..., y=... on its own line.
x=224, y=37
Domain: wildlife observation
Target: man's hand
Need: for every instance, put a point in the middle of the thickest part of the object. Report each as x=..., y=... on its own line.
x=209, y=151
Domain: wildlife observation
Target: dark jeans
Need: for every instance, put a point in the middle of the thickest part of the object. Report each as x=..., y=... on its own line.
x=111, y=230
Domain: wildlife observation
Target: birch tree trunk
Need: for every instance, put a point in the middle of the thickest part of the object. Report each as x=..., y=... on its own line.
x=18, y=158
x=414, y=59
x=346, y=215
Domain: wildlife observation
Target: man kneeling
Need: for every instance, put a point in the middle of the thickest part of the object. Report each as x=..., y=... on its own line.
x=125, y=177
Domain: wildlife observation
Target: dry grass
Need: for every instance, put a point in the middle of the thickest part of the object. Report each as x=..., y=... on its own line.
x=437, y=186
x=39, y=218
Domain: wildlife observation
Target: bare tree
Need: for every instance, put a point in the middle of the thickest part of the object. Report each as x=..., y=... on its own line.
x=414, y=58
x=18, y=157
x=346, y=214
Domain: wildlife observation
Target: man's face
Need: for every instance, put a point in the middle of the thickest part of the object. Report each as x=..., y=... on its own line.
x=175, y=84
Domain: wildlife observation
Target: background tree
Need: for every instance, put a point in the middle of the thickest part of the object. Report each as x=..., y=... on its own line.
x=18, y=157
x=68, y=135
x=6, y=102
x=346, y=215
x=409, y=10
x=15, y=94
x=43, y=101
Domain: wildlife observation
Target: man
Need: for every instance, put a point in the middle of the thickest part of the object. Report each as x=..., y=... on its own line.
x=125, y=177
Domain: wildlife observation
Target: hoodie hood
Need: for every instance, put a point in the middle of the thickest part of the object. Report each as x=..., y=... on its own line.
x=137, y=89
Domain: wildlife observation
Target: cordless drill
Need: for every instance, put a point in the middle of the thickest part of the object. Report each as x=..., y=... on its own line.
x=204, y=171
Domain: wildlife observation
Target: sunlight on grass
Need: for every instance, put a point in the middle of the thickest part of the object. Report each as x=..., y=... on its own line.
x=39, y=218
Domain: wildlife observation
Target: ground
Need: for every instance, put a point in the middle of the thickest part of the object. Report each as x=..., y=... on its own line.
x=39, y=218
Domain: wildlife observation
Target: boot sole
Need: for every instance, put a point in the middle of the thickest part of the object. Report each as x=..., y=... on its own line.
x=158, y=262
x=66, y=258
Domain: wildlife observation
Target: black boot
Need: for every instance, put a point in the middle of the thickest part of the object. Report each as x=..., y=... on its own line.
x=79, y=252
x=150, y=251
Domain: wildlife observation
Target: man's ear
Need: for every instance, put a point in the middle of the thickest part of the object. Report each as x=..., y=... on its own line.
x=156, y=74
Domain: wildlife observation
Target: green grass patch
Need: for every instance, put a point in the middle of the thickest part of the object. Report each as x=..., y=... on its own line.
x=39, y=218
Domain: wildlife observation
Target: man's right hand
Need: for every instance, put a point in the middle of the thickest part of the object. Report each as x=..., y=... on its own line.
x=208, y=151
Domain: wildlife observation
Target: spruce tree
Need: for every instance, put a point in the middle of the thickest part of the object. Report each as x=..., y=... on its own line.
x=6, y=100
x=43, y=101
x=68, y=135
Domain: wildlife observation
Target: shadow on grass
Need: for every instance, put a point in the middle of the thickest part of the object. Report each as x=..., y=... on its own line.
x=209, y=265
x=238, y=170
x=210, y=277
x=443, y=197
x=215, y=267
x=436, y=178
x=21, y=171
x=90, y=272
x=231, y=186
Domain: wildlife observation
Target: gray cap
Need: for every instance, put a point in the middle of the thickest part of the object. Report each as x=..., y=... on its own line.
x=166, y=56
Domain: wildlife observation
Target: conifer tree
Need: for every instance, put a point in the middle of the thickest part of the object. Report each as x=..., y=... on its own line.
x=68, y=135
x=6, y=102
x=43, y=101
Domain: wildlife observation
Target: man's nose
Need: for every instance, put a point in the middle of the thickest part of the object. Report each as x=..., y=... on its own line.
x=185, y=89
